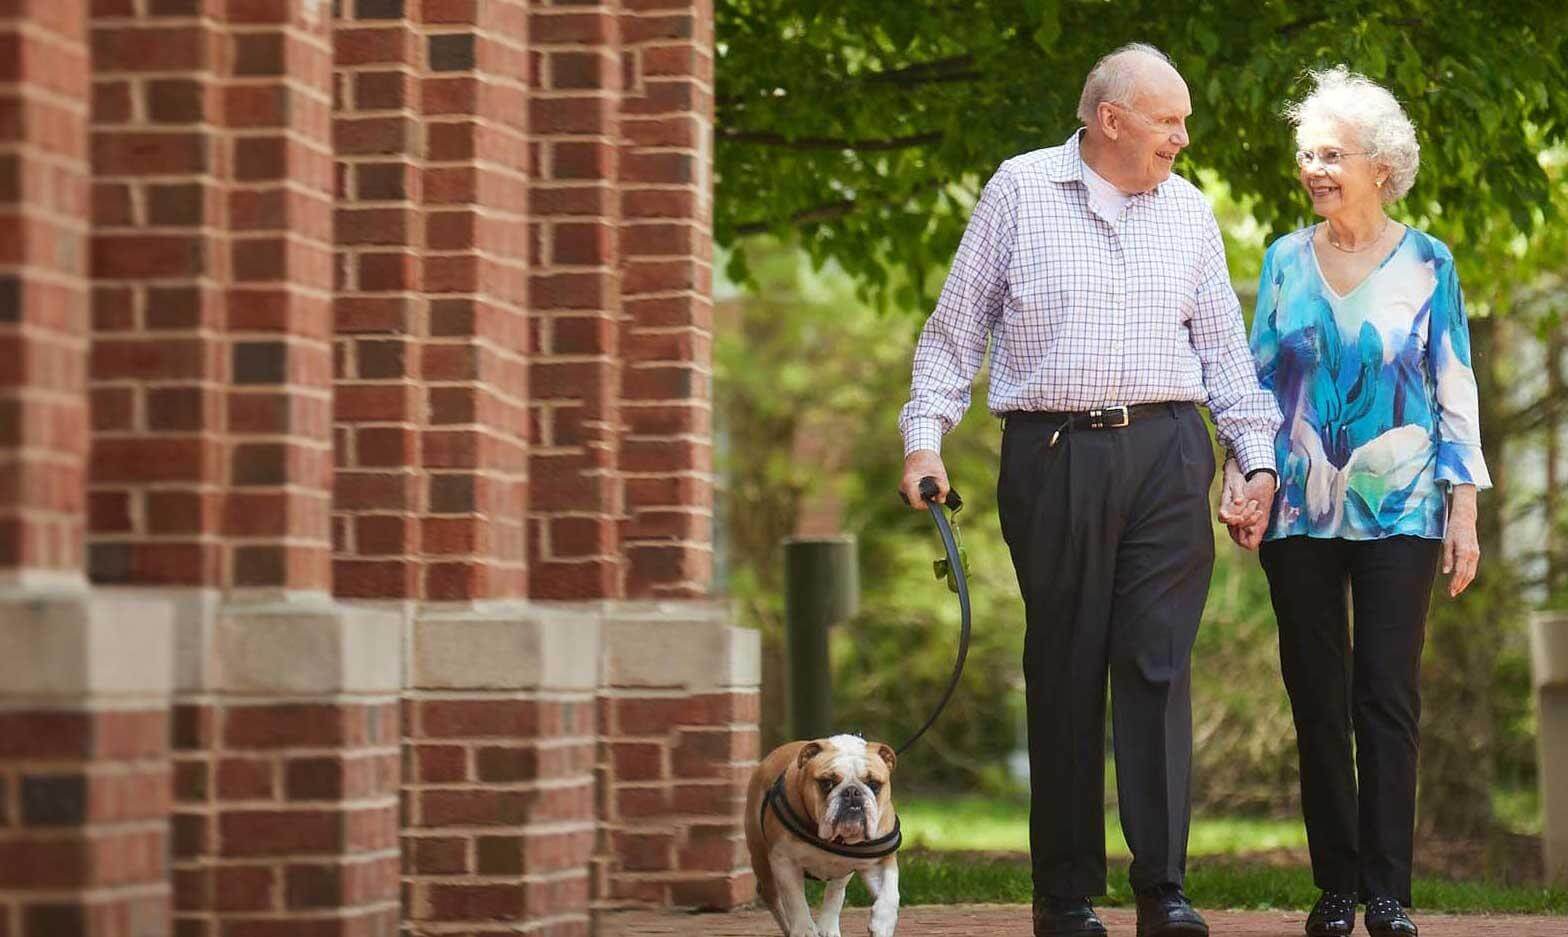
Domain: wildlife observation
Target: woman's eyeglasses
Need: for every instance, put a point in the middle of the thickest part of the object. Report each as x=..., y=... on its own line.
x=1328, y=156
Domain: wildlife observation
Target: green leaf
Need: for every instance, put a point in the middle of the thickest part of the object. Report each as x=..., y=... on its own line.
x=1048, y=14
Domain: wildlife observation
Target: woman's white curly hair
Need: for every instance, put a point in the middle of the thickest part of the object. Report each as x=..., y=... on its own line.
x=1379, y=123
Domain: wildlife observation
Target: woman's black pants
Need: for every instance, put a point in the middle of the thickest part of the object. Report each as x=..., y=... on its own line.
x=1352, y=665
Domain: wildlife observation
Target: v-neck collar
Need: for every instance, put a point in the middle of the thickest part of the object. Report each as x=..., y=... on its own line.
x=1312, y=248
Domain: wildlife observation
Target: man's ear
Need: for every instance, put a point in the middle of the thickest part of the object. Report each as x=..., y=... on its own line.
x=1105, y=115
x=807, y=752
x=885, y=751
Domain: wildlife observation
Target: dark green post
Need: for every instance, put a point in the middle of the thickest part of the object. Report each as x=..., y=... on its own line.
x=821, y=588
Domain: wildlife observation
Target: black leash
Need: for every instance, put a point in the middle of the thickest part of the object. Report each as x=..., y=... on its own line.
x=776, y=796
x=955, y=568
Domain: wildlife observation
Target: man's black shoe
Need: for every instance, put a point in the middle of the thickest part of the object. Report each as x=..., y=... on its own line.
x=1166, y=912
x=1066, y=917
x=1386, y=918
x=1334, y=915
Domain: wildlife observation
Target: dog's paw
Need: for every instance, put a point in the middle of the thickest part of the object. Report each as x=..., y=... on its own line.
x=807, y=931
x=882, y=924
x=825, y=931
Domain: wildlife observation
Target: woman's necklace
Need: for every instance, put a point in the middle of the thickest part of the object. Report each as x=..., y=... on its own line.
x=1334, y=242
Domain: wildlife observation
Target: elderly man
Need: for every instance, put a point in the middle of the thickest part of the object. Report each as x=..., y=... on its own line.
x=1100, y=278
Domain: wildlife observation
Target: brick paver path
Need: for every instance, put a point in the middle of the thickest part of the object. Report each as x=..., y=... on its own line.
x=1013, y=921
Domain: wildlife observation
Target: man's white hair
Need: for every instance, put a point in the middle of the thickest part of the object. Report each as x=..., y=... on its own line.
x=1114, y=78
x=1380, y=125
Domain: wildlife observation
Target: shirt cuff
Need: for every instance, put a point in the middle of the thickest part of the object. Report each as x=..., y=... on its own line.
x=923, y=433
x=1462, y=464
x=1256, y=453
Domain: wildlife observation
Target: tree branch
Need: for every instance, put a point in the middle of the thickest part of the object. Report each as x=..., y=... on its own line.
x=1301, y=25
x=827, y=143
x=827, y=211
x=958, y=68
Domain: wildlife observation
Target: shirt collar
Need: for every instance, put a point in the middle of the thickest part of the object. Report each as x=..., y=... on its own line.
x=1068, y=166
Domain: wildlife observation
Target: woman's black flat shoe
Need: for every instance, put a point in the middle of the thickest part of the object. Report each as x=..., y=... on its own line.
x=1386, y=918
x=1334, y=915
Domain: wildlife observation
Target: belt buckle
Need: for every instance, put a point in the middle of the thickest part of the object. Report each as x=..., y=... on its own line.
x=1097, y=418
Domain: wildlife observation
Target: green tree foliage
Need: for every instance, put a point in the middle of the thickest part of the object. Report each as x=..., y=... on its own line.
x=868, y=125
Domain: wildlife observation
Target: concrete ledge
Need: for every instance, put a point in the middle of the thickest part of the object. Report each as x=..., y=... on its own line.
x=1549, y=648
x=509, y=645
x=1549, y=653
x=307, y=645
x=691, y=645
x=76, y=644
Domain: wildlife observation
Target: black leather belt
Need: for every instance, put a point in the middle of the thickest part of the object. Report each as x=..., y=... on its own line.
x=1117, y=417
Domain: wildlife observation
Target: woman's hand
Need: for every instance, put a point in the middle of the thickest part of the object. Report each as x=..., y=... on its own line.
x=1461, y=549
x=1237, y=512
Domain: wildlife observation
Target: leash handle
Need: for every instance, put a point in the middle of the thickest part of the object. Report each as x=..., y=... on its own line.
x=928, y=493
x=929, y=489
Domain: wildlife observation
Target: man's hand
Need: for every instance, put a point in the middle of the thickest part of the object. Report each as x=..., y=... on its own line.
x=1245, y=506
x=1461, y=548
x=922, y=463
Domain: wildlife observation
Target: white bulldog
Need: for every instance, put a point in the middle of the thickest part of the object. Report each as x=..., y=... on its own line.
x=836, y=789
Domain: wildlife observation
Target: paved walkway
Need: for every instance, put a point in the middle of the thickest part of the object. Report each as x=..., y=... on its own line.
x=1013, y=921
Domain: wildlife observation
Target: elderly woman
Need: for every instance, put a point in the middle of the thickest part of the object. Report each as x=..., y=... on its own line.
x=1360, y=333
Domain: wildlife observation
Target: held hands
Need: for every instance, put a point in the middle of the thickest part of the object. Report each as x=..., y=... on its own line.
x=1461, y=548
x=917, y=465
x=1245, y=506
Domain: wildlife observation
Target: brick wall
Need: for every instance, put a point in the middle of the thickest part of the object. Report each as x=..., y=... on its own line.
x=577, y=503
x=43, y=262
x=666, y=285
x=499, y=812
x=85, y=829
x=380, y=313
x=678, y=710
x=366, y=356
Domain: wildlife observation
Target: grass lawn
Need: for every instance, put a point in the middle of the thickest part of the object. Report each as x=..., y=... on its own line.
x=934, y=878
x=942, y=835
x=1001, y=825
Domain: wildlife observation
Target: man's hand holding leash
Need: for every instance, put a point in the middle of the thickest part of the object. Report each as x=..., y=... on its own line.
x=923, y=463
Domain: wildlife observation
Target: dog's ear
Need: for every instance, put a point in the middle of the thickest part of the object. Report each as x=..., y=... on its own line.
x=807, y=752
x=885, y=751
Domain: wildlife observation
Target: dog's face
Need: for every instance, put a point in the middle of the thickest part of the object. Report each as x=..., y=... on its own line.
x=845, y=783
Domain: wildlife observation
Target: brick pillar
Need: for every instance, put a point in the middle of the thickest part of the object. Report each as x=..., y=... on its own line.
x=666, y=242
x=43, y=259
x=211, y=460
x=473, y=193
x=379, y=492
x=678, y=708
x=84, y=682
x=84, y=764
x=576, y=491
x=499, y=797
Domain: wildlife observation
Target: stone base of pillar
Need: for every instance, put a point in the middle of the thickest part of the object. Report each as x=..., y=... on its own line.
x=84, y=763
x=286, y=764
x=678, y=710
x=499, y=744
x=1549, y=653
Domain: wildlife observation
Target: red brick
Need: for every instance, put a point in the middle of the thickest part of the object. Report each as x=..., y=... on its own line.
x=480, y=807
x=478, y=718
x=147, y=255
x=159, y=49
x=475, y=902
x=645, y=852
x=244, y=888
x=293, y=725
x=433, y=855
x=280, y=833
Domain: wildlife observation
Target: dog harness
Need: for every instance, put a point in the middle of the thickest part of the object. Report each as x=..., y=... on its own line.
x=795, y=823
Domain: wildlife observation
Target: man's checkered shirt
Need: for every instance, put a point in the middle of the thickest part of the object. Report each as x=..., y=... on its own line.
x=1082, y=314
